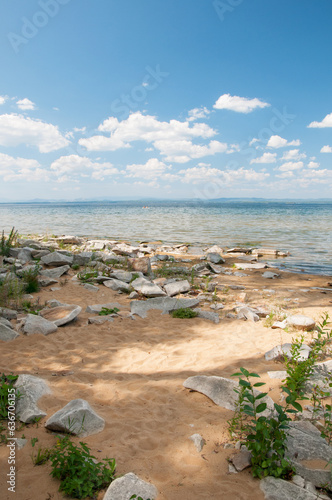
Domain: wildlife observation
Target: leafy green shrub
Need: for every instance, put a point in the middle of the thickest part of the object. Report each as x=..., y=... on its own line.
x=6, y=389
x=105, y=311
x=80, y=475
x=184, y=312
x=87, y=275
x=30, y=280
x=138, y=498
x=11, y=291
x=75, y=267
x=7, y=243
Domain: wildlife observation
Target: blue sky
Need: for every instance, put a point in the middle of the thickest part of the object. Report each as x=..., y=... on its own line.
x=165, y=98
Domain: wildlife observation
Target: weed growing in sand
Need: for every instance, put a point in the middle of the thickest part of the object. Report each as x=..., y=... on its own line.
x=87, y=275
x=184, y=313
x=42, y=455
x=138, y=498
x=105, y=311
x=170, y=272
x=80, y=474
x=323, y=410
x=11, y=291
x=7, y=243
x=8, y=396
x=30, y=280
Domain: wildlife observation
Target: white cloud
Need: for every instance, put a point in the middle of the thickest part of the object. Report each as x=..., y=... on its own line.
x=198, y=175
x=152, y=169
x=326, y=149
x=172, y=139
x=293, y=154
x=266, y=158
x=3, y=99
x=239, y=104
x=12, y=169
x=74, y=164
x=25, y=104
x=286, y=175
x=326, y=122
x=291, y=165
x=17, y=129
x=253, y=141
x=197, y=113
x=276, y=142
x=83, y=129
x=313, y=164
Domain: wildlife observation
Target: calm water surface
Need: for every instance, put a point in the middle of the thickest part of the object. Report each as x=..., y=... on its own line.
x=305, y=230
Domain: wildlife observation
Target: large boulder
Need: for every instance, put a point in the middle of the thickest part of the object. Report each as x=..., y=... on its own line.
x=279, y=489
x=122, y=275
x=7, y=333
x=77, y=418
x=37, y=324
x=61, y=315
x=57, y=259
x=55, y=273
x=215, y=258
x=117, y=285
x=286, y=349
x=177, y=287
x=124, y=487
x=30, y=389
x=164, y=304
x=142, y=265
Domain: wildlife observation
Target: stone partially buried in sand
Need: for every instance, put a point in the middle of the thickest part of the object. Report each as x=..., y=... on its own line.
x=37, y=324
x=77, y=418
x=301, y=322
x=31, y=389
x=61, y=315
x=7, y=333
x=164, y=304
x=124, y=487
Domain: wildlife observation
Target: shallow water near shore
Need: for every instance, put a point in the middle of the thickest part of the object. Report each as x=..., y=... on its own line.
x=303, y=229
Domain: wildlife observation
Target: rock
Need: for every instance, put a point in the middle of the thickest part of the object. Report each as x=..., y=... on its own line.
x=24, y=255
x=55, y=273
x=177, y=287
x=241, y=460
x=37, y=324
x=20, y=443
x=279, y=374
x=61, y=315
x=46, y=281
x=245, y=265
x=142, y=265
x=164, y=304
x=221, y=391
x=247, y=313
x=198, y=441
x=214, y=249
x=8, y=313
x=278, y=489
x=147, y=288
x=285, y=349
x=96, y=308
x=6, y=333
x=215, y=269
x=31, y=389
x=77, y=418
x=91, y=288
x=279, y=324
x=211, y=316
x=100, y=320
x=69, y=240
x=301, y=322
x=217, y=306
x=215, y=258
x=117, y=285
x=83, y=258
x=38, y=254
x=122, y=276
x=5, y=322
x=321, y=373
x=265, y=251
x=57, y=259
x=270, y=275
x=129, y=484
x=133, y=295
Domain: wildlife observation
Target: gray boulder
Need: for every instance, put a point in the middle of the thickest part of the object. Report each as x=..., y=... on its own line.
x=55, y=273
x=147, y=288
x=61, y=315
x=285, y=349
x=77, y=418
x=36, y=324
x=215, y=258
x=7, y=333
x=164, y=304
x=8, y=313
x=221, y=391
x=82, y=258
x=117, y=285
x=177, y=287
x=31, y=389
x=270, y=275
x=46, y=281
x=24, y=255
x=129, y=484
x=247, y=313
x=57, y=259
x=278, y=489
x=209, y=315
x=125, y=276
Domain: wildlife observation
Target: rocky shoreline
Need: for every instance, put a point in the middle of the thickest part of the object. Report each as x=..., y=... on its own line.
x=220, y=287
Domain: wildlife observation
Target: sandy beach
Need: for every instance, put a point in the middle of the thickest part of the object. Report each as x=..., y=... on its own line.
x=131, y=371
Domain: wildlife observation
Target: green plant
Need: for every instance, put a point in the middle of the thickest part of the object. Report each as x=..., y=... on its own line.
x=80, y=474
x=34, y=441
x=184, y=312
x=7, y=389
x=75, y=267
x=87, y=275
x=7, y=243
x=31, y=307
x=134, y=277
x=30, y=279
x=11, y=291
x=322, y=409
x=42, y=456
x=105, y=311
x=138, y=498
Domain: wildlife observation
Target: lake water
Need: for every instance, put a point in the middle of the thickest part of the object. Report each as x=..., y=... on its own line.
x=303, y=229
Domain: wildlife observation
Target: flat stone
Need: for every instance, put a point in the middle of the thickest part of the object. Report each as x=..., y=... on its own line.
x=96, y=308
x=55, y=273
x=214, y=268
x=247, y=313
x=270, y=275
x=217, y=306
x=278, y=489
x=7, y=334
x=285, y=349
x=57, y=259
x=20, y=443
x=61, y=315
x=221, y=391
x=198, y=441
x=211, y=316
x=31, y=389
x=46, y=281
x=215, y=258
x=124, y=487
x=241, y=460
x=100, y=320
x=301, y=322
x=147, y=288
x=214, y=249
x=24, y=255
x=122, y=275
x=37, y=324
x=77, y=418
x=8, y=313
x=117, y=285
x=164, y=304
x=70, y=240
x=177, y=287
x=91, y=288
x=279, y=324
x=245, y=265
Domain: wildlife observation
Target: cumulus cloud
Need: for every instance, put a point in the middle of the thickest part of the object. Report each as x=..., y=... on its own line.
x=3, y=99
x=276, y=142
x=197, y=113
x=326, y=122
x=74, y=164
x=313, y=164
x=239, y=104
x=326, y=149
x=12, y=169
x=172, y=139
x=291, y=165
x=152, y=169
x=25, y=104
x=293, y=154
x=266, y=158
x=17, y=129
x=197, y=175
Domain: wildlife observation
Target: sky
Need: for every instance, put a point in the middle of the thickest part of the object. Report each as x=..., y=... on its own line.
x=165, y=99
